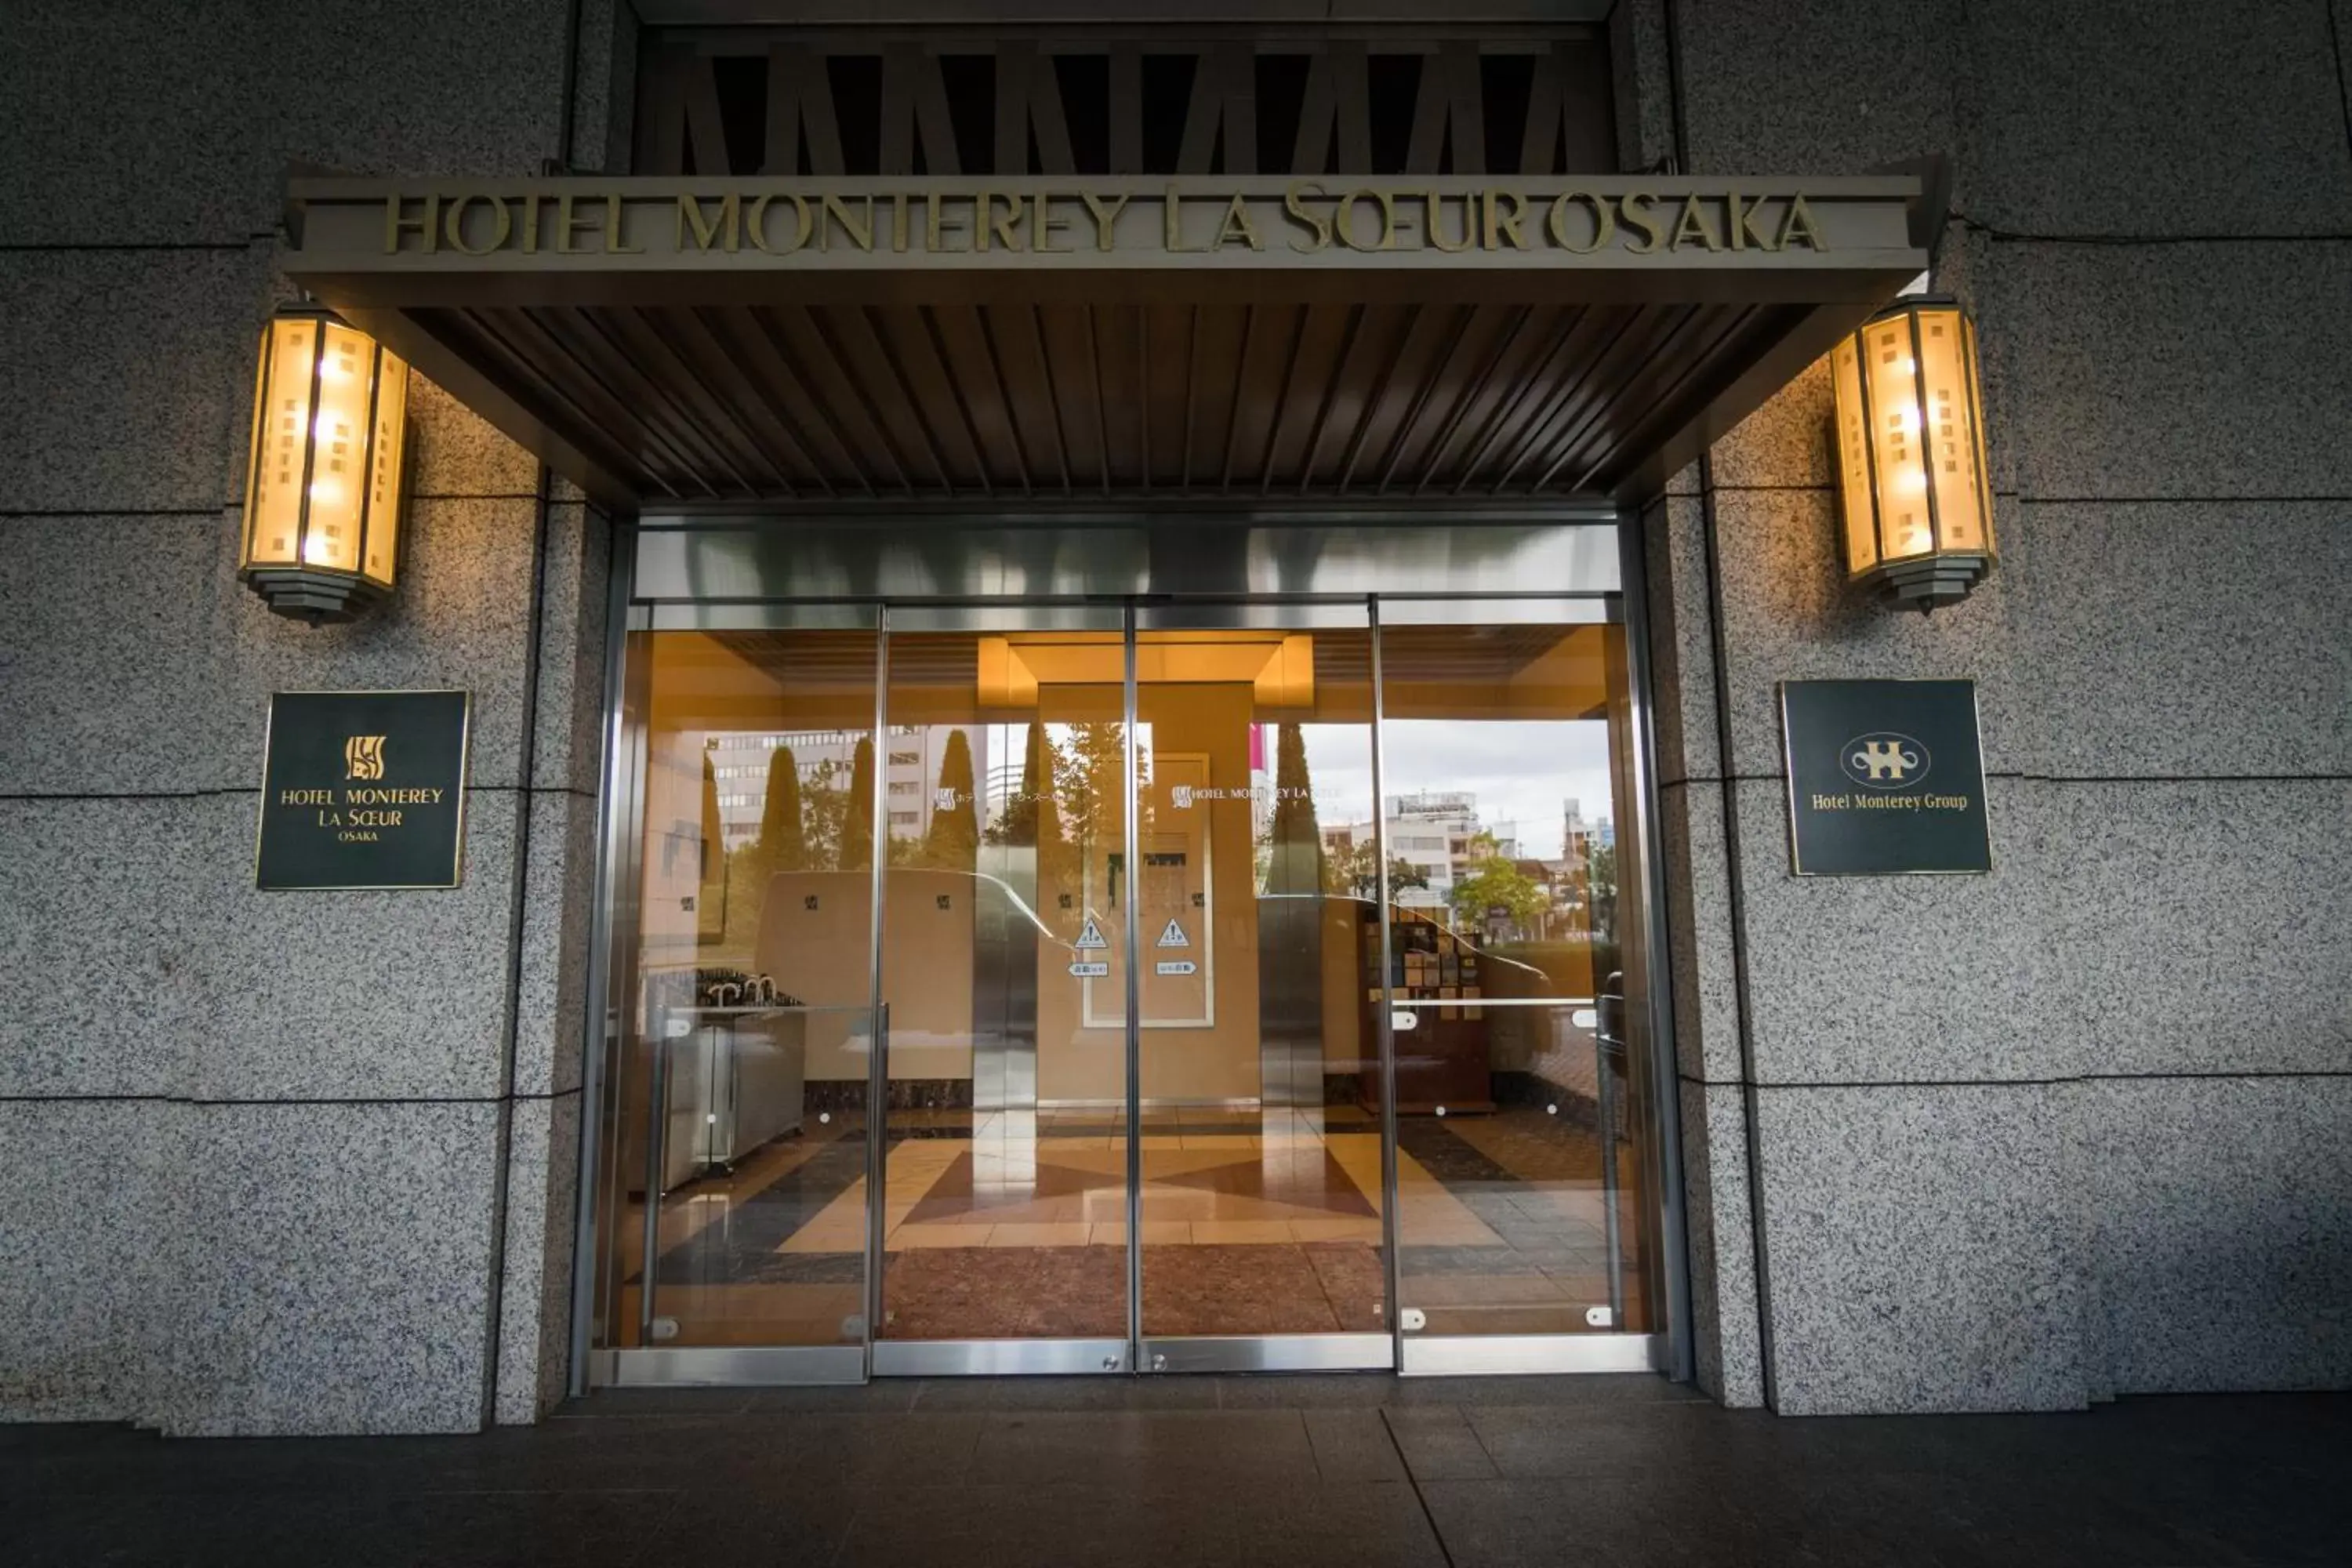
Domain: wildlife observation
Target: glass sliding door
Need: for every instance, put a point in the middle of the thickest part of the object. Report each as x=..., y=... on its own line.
x=1262, y=1175
x=1517, y=979
x=1005, y=1192
x=738, y=1143
x=1135, y=985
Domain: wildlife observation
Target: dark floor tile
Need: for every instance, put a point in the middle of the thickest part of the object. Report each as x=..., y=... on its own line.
x=1153, y=1448
x=1680, y=1520
x=1568, y=1391
x=1531, y=1441
x=1353, y=1446
x=1307, y=1391
x=1359, y=1525
x=1297, y=1471
x=751, y=1527
x=1438, y=1444
x=1072, y=1394
x=1970, y=1519
x=884, y=1395
x=77, y=1530
x=357, y=1531
x=607, y=1402
x=1509, y=1524
x=1095, y=1527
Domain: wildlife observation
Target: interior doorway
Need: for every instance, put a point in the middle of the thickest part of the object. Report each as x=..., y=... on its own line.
x=1129, y=985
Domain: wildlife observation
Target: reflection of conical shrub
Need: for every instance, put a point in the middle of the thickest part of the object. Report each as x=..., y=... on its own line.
x=1054, y=864
x=1016, y=821
x=1295, y=864
x=857, y=823
x=954, y=844
x=709, y=897
x=783, y=842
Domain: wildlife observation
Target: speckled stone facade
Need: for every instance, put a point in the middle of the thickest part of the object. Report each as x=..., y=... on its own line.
x=2078, y=1129
x=253, y=1141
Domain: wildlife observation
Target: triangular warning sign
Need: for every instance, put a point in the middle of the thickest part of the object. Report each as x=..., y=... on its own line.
x=1092, y=936
x=1174, y=936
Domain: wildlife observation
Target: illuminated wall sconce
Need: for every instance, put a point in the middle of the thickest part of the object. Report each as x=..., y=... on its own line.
x=1910, y=427
x=323, y=489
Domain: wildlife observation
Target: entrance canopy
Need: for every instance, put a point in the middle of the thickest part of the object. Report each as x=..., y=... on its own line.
x=670, y=342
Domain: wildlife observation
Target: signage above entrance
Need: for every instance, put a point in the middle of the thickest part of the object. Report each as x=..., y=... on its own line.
x=831, y=224
x=1323, y=338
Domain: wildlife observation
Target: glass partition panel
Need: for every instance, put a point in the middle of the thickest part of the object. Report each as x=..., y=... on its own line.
x=1262, y=1175
x=1005, y=1185
x=746, y=1029
x=1521, y=1125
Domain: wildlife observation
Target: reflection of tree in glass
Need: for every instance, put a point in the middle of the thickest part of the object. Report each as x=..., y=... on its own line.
x=782, y=843
x=1599, y=890
x=824, y=812
x=953, y=843
x=1030, y=820
x=1090, y=780
x=1357, y=869
x=857, y=815
x=1293, y=861
x=1495, y=887
x=710, y=900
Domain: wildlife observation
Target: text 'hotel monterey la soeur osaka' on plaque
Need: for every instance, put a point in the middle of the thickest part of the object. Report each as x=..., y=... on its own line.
x=363, y=789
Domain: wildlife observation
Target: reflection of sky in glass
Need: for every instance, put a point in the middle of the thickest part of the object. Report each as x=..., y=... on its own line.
x=1522, y=770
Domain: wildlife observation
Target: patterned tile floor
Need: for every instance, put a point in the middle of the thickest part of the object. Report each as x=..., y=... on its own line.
x=1007, y=1224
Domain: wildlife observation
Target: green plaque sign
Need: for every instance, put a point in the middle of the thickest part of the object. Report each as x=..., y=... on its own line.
x=1885, y=778
x=363, y=789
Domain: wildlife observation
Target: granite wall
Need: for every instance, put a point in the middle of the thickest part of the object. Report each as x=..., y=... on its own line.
x=275, y=1163
x=305, y=1163
x=2081, y=1127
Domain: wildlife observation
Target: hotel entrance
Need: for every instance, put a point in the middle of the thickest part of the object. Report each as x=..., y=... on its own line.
x=1151, y=946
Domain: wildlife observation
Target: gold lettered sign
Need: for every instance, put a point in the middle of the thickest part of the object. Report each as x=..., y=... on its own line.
x=1885, y=778
x=363, y=789
x=1024, y=218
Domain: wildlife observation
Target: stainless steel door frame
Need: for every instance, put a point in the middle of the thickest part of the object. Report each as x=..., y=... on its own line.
x=695, y=572
x=1674, y=1350
x=723, y=564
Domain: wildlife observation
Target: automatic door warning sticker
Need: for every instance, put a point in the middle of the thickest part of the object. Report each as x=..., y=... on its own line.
x=1174, y=936
x=1173, y=967
x=1092, y=936
x=1095, y=971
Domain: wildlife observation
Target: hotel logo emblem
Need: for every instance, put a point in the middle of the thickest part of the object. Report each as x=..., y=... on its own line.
x=1884, y=760
x=363, y=757
x=1181, y=797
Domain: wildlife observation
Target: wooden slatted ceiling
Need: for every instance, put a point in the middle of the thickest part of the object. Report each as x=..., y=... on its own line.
x=1343, y=401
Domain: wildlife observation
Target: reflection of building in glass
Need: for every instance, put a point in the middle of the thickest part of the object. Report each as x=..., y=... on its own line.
x=1436, y=833
x=825, y=759
x=1579, y=837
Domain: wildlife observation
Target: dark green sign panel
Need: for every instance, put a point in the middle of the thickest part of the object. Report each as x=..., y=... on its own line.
x=1885, y=777
x=363, y=789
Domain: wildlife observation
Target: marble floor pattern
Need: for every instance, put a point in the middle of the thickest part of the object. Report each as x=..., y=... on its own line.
x=1011, y=1226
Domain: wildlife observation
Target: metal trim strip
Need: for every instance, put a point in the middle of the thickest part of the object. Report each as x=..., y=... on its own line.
x=999, y=1358
x=1465, y=1355
x=1270, y=1352
x=673, y=1366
